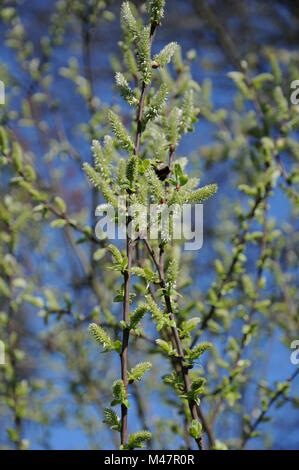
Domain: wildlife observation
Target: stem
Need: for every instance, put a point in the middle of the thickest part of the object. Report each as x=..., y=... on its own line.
x=139, y=119
x=175, y=333
x=142, y=100
x=127, y=272
x=126, y=333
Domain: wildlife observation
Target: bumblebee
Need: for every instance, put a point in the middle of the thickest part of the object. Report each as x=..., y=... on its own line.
x=161, y=169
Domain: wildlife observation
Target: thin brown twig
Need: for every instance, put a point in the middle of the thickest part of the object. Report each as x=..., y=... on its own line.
x=263, y=413
x=127, y=273
x=230, y=270
x=125, y=339
x=250, y=317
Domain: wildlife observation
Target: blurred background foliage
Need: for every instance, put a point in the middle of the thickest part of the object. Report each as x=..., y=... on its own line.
x=58, y=61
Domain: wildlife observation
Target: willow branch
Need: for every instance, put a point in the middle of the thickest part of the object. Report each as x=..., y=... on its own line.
x=175, y=333
x=125, y=338
x=127, y=273
x=263, y=413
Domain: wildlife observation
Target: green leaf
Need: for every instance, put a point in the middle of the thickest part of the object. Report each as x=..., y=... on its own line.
x=17, y=156
x=99, y=254
x=36, y=301
x=12, y=434
x=195, y=429
x=4, y=146
x=239, y=79
x=60, y=203
x=58, y=223
x=183, y=180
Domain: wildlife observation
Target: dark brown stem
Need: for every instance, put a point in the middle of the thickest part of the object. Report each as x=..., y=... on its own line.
x=142, y=100
x=139, y=119
x=125, y=339
x=127, y=272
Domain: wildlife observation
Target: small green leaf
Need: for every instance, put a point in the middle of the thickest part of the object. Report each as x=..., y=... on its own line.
x=58, y=223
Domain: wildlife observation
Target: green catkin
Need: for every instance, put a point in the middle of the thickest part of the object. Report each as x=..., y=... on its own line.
x=130, y=62
x=198, y=350
x=108, y=149
x=172, y=273
x=118, y=390
x=137, y=315
x=178, y=59
x=173, y=123
x=4, y=147
x=121, y=178
x=281, y=101
x=124, y=89
x=156, y=10
x=98, y=182
x=158, y=144
x=132, y=169
x=111, y=419
x=115, y=253
x=158, y=316
x=187, y=112
x=156, y=187
x=100, y=162
x=144, y=56
x=120, y=132
x=164, y=57
x=128, y=21
x=100, y=336
x=157, y=105
x=17, y=156
x=139, y=370
x=201, y=194
x=136, y=440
